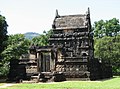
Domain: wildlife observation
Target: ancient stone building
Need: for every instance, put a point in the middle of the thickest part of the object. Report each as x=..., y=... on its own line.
x=72, y=37
x=70, y=54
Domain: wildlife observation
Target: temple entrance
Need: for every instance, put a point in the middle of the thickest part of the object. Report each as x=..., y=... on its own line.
x=45, y=62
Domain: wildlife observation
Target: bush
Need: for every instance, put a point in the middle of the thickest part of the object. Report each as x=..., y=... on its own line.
x=4, y=69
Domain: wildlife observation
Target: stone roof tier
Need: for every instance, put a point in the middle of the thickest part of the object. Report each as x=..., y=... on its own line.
x=71, y=22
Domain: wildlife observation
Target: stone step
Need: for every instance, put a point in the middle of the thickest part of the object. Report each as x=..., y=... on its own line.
x=34, y=78
x=31, y=81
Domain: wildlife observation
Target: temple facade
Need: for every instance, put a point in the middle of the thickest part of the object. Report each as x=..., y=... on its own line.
x=70, y=54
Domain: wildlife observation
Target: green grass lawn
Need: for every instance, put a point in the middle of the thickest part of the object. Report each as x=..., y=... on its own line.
x=113, y=83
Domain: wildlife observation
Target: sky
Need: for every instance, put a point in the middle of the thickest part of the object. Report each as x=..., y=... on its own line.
x=37, y=15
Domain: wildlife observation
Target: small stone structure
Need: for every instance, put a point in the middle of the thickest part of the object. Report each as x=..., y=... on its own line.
x=70, y=54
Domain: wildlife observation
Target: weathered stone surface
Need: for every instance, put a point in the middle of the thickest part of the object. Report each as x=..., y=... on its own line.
x=71, y=21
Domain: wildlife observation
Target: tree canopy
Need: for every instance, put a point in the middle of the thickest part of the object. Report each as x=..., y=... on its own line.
x=107, y=42
x=103, y=28
x=108, y=49
x=3, y=33
x=3, y=43
x=42, y=40
x=17, y=45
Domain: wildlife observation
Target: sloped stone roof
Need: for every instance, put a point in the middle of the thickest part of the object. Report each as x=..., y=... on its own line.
x=71, y=21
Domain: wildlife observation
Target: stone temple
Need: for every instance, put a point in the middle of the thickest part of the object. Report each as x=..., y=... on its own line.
x=69, y=55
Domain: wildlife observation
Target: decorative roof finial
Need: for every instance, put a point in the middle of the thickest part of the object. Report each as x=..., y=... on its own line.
x=88, y=10
x=57, y=15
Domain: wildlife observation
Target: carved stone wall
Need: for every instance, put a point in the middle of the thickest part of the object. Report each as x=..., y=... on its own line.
x=71, y=35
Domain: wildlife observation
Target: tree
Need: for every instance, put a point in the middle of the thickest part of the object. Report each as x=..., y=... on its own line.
x=3, y=39
x=17, y=45
x=112, y=27
x=3, y=33
x=107, y=42
x=98, y=29
x=106, y=28
x=42, y=40
x=108, y=49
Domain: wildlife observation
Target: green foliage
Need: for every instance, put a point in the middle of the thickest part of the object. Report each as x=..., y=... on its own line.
x=42, y=40
x=17, y=45
x=4, y=69
x=107, y=42
x=3, y=43
x=98, y=28
x=3, y=33
x=106, y=28
x=108, y=49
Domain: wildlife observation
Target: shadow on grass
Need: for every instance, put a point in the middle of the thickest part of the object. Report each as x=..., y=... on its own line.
x=4, y=80
x=106, y=79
